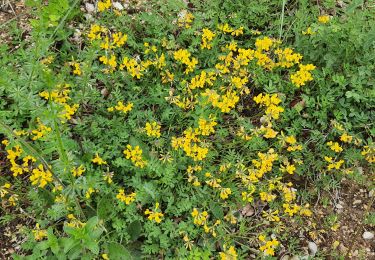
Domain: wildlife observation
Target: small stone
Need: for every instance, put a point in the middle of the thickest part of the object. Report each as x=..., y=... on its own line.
x=285, y=257
x=90, y=8
x=339, y=206
x=313, y=248
x=371, y=193
x=368, y=235
x=118, y=6
x=357, y=202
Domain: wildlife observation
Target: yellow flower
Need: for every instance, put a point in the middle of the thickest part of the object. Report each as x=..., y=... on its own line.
x=225, y=192
x=303, y=75
x=335, y=146
x=39, y=234
x=135, y=155
x=207, y=37
x=308, y=31
x=199, y=218
x=206, y=127
x=269, y=246
x=323, y=19
x=263, y=44
x=41, y=131
x=76, y=68
x=104, y=5
x=98, y=160
x=78, y=171
x=152, y=129
x=346, y=138
x=229, y=254
x=154, y=215
x=89, y=192
x=69, y=111
x=121, y=107
x=40, y=176
x=127, y=199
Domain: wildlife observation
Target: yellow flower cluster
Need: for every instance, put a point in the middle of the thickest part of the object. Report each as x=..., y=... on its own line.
x=88, y=193
x=38, y=233
x=369, y=153
x=264, y=44
x=289, y=168
x=287, y=58
x=271, y=103
x=202, y=79
x=135, y=155
x=215, y=183
x=335, y=146
x=104, y=5
x=76, y=68
x=111, y=62
x=69, y=111
x=269, y=246
x=224, y=102
x=191, y=177
x=183, y=56
x=308, y=31
x=96, y=32
x=263, y=164
x=121, y=107
x=78, y=171
x=74, y=222
x=4, y=189
x=58, y=95
x=118, y=40
x=206, y=127
x=207, y=37
x=292, y=146
x=149, y=48
x=226, y=28
x=98, y=160
x=189, y=143
x=303, y=75
x=323, y=19
x=243, y=135
x=154, y=215
x=346, y=138
x=134, y=68
x=152, y=129
x=40, y=176
x=185, y=19
x=332, y=164
x=127, y=199
x=229, y=254
x=41, y=131
x=200, y=218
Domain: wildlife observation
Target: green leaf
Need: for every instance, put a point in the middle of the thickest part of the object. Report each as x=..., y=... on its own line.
x=92, y=246
x=118, y=251
x=134, y=229
x=217, y=210
x=105, y=207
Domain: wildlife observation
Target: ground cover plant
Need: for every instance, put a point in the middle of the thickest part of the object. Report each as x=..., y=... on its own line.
x=188, y=130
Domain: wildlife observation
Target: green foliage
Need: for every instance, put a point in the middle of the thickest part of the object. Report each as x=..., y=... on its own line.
x=84, y=216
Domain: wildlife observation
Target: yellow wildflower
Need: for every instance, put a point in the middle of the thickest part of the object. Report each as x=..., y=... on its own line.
x=154, y=215
x=152, y=129
x=127, y=199
x=98, y=160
